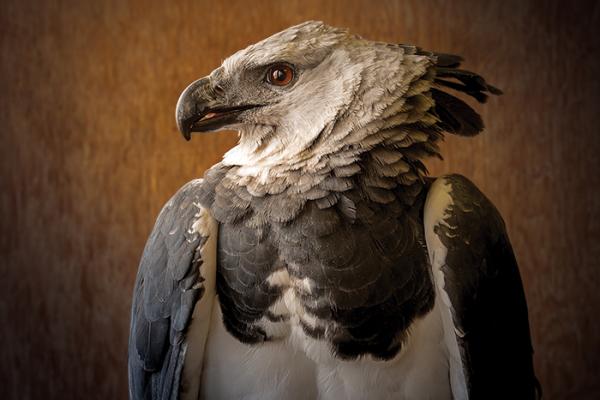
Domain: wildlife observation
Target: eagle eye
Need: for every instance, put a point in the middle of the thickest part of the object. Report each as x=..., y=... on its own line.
x=280, y=75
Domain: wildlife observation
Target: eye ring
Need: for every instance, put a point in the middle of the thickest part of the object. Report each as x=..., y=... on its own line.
x=280, y=75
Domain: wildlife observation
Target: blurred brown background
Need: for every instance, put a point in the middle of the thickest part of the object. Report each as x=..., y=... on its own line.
x=90, y=153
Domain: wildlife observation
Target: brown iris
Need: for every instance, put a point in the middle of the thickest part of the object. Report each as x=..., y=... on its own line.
x=280, y=75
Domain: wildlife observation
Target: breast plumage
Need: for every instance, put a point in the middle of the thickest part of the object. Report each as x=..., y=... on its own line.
x=354, y=279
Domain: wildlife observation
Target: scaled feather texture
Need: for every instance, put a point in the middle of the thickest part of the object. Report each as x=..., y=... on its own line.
x=318, y=260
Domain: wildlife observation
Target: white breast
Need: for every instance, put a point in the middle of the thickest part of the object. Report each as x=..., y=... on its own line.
x=299, y=367
x=234, y=370
x=419, y=371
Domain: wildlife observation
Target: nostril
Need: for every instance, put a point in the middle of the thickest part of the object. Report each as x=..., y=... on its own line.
x=218, y=89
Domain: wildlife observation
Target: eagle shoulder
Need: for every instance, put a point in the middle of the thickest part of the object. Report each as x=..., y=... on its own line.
x=175, y=285
x=477, y=282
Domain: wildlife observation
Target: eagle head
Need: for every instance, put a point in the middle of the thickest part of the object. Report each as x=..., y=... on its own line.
x=313, y=93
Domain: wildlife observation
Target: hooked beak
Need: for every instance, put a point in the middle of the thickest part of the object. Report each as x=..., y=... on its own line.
x=200, y=109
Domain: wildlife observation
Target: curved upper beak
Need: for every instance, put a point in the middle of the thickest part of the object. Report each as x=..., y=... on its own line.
x=191, y=103
x=200, y=109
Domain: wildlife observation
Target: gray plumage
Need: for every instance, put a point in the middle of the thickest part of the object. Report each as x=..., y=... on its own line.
x=166, y=289
x=318, y=245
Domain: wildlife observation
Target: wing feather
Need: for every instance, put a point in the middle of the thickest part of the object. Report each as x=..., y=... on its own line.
x=175, y=280
x=477, y=279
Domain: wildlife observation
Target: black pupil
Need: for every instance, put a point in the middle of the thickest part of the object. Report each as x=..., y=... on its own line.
x=279, y=75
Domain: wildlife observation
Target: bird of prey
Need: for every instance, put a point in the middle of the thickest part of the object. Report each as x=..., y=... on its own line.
x=318, y=260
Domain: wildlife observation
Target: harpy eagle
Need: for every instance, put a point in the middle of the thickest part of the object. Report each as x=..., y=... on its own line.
x=318, y=260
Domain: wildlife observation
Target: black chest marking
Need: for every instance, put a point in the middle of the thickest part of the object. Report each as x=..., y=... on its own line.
x=364, y=265
x=245, y=261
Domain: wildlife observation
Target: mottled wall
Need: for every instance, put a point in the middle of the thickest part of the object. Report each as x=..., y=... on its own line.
x=90, y=153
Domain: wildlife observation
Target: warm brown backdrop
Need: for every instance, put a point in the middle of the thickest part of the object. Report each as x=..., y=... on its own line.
x=90, y=153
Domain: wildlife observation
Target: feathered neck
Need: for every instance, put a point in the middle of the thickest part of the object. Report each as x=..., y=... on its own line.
x=381, y=157
x=384, y=168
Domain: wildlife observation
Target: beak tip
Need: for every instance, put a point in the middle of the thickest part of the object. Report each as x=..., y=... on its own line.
x=183, y=126
x=186, y=132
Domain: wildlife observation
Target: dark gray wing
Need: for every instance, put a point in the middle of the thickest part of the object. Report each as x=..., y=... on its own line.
x=482, y=300
x=170, y=281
